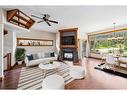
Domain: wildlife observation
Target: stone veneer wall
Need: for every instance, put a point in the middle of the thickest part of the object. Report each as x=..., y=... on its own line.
x=73, y=50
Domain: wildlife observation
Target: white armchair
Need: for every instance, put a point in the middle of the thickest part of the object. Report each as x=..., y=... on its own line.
x=110, y=62
x=76, y=72
x=53, y=82
x=103, y=57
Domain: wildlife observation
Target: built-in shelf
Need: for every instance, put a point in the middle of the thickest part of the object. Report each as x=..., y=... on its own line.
x=34, y=42
x=19, y=18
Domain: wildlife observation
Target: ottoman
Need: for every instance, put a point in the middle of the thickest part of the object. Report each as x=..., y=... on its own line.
x=77, y=72
x=53, y=82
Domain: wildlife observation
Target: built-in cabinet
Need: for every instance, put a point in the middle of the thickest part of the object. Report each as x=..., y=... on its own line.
x=69, y=44
x=69, y=38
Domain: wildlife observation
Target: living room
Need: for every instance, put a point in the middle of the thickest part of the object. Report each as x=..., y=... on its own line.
x=56, y=39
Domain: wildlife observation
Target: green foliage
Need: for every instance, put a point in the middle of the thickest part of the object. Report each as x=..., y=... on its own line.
x=100, y=42
x=110, y=51
x=20, y=54
x=51, y=62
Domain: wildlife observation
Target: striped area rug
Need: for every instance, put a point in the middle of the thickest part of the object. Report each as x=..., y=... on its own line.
x=32, y=77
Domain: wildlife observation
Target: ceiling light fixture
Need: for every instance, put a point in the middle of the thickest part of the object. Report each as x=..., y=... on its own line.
x=115, y=37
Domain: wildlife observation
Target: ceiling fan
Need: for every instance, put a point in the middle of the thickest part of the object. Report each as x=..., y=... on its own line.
x=45, y=18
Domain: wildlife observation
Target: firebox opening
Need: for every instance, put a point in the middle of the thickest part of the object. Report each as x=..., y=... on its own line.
x=68, y=56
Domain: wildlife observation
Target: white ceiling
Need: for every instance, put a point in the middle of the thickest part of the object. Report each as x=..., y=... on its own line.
x=86, y=18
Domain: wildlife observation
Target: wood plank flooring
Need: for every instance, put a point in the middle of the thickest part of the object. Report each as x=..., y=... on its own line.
x=94, y=79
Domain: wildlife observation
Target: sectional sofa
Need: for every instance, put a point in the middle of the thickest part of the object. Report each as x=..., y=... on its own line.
x=35, y=59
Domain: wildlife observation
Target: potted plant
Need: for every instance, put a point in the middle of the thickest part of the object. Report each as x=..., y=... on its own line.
x=20, y=55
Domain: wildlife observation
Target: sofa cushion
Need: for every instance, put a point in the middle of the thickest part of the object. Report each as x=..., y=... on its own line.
x=30, y=57
x=47, y=55
x=52, y=54
x=35, y=56
x=40, y=55
x=38, y=61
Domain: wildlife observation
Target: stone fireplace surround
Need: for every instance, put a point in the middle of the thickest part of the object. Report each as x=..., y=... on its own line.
x=71, y=50
x=68, y=50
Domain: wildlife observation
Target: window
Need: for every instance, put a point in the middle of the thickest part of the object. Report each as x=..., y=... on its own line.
x=101, y=43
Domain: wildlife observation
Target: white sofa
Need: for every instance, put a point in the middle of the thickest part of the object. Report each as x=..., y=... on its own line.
x=41, y=59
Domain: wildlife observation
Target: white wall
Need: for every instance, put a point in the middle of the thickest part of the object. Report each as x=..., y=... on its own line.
x=87, y=48
x=35, y=34
x=58, y=42
x=13, y=47
x=1, y=50
x=1, y=43
x=9, y=46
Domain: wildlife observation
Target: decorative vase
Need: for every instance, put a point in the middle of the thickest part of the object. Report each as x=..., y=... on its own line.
x=19, y=62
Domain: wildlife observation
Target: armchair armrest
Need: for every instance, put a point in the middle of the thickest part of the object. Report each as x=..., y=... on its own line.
x=26, y=60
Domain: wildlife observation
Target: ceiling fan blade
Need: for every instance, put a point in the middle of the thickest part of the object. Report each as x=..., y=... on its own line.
x=40, y=21
x=36, y=16
x=48, y=23
x=53, y=21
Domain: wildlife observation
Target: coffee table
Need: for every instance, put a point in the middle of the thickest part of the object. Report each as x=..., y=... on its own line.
x=46, y=66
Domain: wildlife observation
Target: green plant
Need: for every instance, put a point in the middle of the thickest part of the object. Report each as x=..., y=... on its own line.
x=20, y=54
x=51, y=62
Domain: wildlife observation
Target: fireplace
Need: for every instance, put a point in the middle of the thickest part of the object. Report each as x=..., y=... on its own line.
x=68, y=56
x=68, y=45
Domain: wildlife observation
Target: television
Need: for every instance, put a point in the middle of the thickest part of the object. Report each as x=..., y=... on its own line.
x=68, y=40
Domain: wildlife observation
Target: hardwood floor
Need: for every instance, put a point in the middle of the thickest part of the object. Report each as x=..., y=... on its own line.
x=94, y=79
x=11, y=78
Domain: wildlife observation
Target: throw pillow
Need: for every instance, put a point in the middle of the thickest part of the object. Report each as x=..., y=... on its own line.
x=42, y=55
x=52, y=54
x=30, y=57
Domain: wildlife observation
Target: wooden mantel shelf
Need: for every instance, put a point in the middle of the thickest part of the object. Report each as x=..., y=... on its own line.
x=68, y=46
x=19, y=18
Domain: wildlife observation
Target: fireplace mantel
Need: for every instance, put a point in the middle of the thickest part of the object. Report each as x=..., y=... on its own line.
x=69, y=48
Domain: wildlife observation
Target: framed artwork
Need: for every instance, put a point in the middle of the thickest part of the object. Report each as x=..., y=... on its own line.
x=34, y=42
